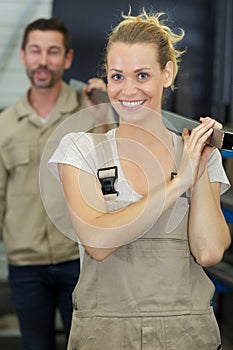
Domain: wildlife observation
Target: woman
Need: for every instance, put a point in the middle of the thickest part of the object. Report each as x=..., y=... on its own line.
x=145, y=204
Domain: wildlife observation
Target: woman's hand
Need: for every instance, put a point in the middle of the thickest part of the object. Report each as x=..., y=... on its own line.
x=207, y=149
x=196, y=150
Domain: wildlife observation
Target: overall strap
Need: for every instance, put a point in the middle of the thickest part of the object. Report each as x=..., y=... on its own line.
x=178, y=156
x=179, y=152
x=107, y=171
x=103, y=150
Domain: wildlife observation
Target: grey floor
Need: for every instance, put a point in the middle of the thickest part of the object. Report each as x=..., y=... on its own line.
x=10, y=335
x=14, y=344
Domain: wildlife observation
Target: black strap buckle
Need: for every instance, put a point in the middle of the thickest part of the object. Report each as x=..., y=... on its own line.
x=173, y=174
x=107, y=178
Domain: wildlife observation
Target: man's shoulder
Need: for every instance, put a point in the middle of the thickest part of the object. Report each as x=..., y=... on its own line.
x=9, y=121
x=11, y=112
x=72, y=89
x=67, y=89
x=69, y=100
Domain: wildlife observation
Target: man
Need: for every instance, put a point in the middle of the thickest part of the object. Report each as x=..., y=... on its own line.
x=43, y=263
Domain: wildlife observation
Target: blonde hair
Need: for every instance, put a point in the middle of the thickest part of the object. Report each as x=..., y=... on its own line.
x=149, y=28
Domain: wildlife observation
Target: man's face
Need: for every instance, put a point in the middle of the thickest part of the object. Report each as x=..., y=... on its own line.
x=45, y=58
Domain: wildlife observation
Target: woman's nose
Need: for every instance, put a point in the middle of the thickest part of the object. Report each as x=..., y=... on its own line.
x=129, y=88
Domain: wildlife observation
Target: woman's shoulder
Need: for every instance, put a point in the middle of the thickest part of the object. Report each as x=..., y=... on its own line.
x=73, y=137
x=85, y=137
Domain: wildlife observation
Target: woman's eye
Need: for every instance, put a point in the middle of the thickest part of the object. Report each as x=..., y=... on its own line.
x=143, y=76
x=117, y=77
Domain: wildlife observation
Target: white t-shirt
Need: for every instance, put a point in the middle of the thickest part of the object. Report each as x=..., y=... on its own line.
x=79, y=150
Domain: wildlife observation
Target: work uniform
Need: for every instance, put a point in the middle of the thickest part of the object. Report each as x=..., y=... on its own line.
x=29, y=235
x=150, y=293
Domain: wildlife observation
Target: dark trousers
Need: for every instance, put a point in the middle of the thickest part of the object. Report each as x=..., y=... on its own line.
x=37, y=292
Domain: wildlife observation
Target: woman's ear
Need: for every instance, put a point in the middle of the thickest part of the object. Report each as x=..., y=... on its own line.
x=168, y=74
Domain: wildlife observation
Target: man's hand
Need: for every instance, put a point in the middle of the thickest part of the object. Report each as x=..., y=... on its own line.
x=93, y=84
x=101, y=111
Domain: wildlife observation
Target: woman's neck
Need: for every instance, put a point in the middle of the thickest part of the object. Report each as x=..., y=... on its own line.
x=146, y=131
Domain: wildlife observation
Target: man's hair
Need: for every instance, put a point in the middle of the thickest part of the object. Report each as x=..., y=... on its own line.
x=45, y=24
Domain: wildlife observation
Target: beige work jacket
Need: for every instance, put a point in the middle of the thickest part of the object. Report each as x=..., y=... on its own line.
x=30, y=236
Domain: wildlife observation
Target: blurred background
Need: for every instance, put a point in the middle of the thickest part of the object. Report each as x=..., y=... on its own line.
x=204, y=86
x=205, y=80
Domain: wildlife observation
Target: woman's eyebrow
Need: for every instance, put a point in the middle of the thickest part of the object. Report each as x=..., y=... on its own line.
x=136, y=70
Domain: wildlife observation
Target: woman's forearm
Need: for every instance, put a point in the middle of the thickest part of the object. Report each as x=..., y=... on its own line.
x=110, y=230
x=208, y=231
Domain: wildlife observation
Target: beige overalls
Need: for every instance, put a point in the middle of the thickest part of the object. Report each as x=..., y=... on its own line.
x=149, y=294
